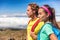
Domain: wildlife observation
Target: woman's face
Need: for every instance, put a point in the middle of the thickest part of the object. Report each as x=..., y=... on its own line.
x=42, y=14
x=29, y=11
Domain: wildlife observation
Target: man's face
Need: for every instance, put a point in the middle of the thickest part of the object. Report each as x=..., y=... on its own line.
x=29, y=11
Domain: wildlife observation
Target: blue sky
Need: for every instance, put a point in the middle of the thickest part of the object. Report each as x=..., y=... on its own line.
x=20, y=6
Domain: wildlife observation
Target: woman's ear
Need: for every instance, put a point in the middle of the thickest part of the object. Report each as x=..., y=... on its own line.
x=47, y=15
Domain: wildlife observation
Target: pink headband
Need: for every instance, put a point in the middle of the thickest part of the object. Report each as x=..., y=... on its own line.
x=46, y=10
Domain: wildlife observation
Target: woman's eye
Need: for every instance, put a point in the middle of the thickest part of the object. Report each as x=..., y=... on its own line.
x=27, y=10
x=39, y=13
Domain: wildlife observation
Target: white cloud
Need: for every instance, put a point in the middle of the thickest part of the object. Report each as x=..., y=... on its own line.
x=13, y=22
x=14, y=15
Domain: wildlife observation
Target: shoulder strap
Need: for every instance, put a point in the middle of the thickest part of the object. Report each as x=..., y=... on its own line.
x=35, y=24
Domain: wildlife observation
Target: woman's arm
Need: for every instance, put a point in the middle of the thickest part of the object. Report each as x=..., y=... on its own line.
x=53, y=37
x=27, y=37
x=50, y=32
x=32, y=34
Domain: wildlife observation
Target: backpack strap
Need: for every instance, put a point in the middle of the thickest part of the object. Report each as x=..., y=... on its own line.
x=35, y=24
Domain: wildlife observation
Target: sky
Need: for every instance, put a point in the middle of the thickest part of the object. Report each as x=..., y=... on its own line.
x=20, y=6
x=17, y=7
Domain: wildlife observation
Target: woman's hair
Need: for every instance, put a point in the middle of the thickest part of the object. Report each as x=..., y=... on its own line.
x=34, y=7
x=51, y=17
x=54, y=19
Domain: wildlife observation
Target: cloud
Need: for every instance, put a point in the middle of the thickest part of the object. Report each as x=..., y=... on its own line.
x=13, y=21
x=14, y=15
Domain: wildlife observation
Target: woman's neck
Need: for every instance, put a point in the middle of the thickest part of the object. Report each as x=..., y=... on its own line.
x=46, y=21
x=34, y=17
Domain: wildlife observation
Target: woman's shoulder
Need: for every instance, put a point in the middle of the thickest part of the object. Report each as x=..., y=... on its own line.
x=48, y=25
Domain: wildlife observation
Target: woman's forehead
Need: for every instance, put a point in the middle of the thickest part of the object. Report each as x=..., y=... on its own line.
x=29, y=7
x=41, y=9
